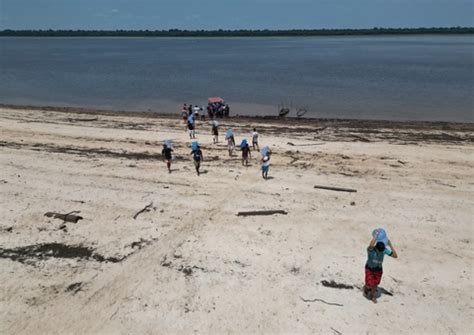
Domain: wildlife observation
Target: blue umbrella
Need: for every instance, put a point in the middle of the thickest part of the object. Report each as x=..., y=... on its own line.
x=167, y=143
x=191, y=119
x=194, y=145
x=229, y=133
x=244, y=143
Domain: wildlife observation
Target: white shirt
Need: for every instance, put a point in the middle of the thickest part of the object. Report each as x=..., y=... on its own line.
x=254, y=136
x=266, y=161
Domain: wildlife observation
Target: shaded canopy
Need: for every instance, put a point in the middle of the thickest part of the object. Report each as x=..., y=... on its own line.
x=213, y=100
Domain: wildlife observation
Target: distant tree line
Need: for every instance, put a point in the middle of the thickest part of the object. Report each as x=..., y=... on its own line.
x=235, y=33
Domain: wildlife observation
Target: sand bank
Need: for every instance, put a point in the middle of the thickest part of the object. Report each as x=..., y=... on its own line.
x=189, y=264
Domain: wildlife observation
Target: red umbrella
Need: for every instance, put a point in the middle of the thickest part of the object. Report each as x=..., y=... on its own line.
x=213, y=100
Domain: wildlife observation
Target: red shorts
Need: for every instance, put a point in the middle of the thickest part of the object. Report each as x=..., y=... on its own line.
x=372, y=277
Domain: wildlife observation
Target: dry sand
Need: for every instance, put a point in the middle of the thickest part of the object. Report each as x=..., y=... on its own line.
x=190, y=264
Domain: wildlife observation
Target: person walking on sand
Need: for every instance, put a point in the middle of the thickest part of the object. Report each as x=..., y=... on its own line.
x=184, y=113
x=196, y=111
x=215, y=131
x=255, y=139
x=373, y=267
x=244, y=146
x=265, y=152
x=229, y=136
x=265, y=166
x=191, y=127
x=197, y=156
x=166, y=153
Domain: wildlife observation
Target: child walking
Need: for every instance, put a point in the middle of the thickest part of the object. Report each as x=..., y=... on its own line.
x=244, y=146
x=215, y=131
x=255, y=139
x=166, y=153
x=191, y=127
x=373, y=267
x=265, y=166
x=197, y=156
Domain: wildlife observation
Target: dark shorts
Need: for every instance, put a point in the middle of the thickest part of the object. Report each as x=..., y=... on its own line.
x=265, y=168
x=372, y=277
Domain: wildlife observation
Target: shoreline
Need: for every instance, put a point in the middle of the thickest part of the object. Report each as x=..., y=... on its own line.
x=341, y=122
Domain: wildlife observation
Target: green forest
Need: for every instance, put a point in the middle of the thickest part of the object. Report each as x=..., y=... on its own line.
x=235, y=33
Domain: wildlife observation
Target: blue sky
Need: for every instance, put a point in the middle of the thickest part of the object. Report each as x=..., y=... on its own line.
x=232, y=14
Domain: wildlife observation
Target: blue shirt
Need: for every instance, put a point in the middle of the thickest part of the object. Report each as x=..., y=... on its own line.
x=375, y=258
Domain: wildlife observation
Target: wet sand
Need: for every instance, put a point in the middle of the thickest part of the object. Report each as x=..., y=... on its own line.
x=158, y=252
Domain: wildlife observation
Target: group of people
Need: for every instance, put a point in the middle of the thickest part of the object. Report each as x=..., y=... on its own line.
x=378, y=247
x=190, y=116
x=218, y=110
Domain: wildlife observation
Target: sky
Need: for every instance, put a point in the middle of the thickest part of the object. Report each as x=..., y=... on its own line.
x=233, y=14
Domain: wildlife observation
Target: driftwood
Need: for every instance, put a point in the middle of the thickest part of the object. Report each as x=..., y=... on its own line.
x=304, y=145
x=69, y=217
x=144, y=209
x=84, y=120
x=321, y=300
x=340, y=189
x=363, y=139
x=443, y=184
x=265, y=212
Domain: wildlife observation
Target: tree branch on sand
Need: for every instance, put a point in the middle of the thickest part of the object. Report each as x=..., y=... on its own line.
x=321, y=300
x=339, y=189
x=264, y=212
x=144, y=209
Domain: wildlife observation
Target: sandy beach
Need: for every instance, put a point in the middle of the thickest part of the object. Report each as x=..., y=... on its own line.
x=167, y=253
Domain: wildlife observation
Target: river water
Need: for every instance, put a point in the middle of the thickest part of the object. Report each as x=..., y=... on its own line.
x=389, y=77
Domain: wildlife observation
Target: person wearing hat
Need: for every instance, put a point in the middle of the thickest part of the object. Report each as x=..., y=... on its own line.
x=244, y=146
x=373, y=267
x=166, y=154
x=197, y=156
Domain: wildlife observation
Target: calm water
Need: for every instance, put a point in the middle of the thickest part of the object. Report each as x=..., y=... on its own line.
x=397, y=78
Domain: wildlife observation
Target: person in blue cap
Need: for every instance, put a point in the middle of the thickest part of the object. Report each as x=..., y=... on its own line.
x=265, y=161
x=197, y=156
x=244, y=146
x=229, y=136
x=166, y=154
x=373, y=267
x=191, y=127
